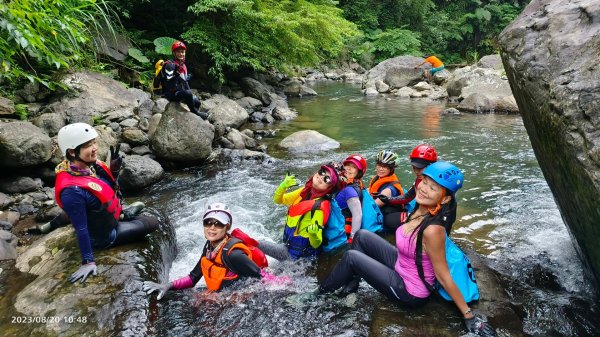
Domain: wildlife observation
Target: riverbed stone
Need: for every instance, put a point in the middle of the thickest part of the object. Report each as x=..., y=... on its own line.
x=10, y=216
x=134, y=137
x=23, y=144
x=138, y=172
x=491, y=61
x=250, y=104
x=7, y=107
x=182, y=137
x=308, y=141
x=256, y=89
x=396, y=72
x=8, y=245
x=19, y=184
x=228, y=113
x=51, y=123
x=550, y=54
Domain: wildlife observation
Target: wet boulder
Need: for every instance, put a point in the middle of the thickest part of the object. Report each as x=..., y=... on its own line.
x=550, y=53
x=182, y=137
x=258, y=90
x=308, y=141
x=23, y=144
x=138, y=172
x=110, y=304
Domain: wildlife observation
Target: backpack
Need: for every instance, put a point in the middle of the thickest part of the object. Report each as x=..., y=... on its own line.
x=372, y=219
x=157, y=83
x=334, y=235
x=461, y=271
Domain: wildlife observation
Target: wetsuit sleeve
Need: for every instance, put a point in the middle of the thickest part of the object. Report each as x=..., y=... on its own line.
x=75, y=205
x=356, y=210
x=242, y=264
x=196, y=273
x=405, y=198
x=288, y=198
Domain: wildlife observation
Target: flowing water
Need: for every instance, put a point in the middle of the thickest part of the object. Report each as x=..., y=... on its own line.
x=506, y=213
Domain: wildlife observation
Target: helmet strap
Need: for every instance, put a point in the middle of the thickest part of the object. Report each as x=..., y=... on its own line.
x=438, y=207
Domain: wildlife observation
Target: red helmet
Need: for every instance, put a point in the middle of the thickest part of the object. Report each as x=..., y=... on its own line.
x=359, y=161
x=176, y=45
x=423, y=155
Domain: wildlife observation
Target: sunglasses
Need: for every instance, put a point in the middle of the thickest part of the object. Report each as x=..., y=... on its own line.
x=326, y=178
x=210, y=223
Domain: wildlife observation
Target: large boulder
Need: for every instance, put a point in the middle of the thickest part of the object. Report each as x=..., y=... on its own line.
x=308, y=141
x=228, y=113
x=482, y=90
x=91, y=96
x=139, y=172
x=396, y=72
x=258, y=90
x=550, y=53
x=182, y=137
x=7, y=107
x=109, y=304
x=23, y=144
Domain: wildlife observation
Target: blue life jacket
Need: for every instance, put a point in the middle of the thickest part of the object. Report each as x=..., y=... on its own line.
x=462, y=273
x=372, y=218
x=334, y=235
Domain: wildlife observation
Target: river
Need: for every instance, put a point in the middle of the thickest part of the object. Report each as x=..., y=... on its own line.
x=506, y=214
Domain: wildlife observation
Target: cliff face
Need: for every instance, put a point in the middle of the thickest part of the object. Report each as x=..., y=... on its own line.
x=551, y=54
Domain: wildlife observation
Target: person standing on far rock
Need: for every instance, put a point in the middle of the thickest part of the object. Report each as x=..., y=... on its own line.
x=436, y=65
x=85, y=190
x=173, y=78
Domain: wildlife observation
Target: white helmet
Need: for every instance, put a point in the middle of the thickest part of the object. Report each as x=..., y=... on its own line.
x=219, y=212
x=72, y=135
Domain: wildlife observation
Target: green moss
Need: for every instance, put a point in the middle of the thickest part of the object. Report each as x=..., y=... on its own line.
x=21, y=111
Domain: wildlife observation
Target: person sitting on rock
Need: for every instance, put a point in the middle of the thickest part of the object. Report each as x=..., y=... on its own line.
x=173, y=78
x=128, y=212
x=225, y=259
x=436, y=65
x=85, y=190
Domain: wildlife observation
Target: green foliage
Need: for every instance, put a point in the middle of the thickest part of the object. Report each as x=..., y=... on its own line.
x=97, y=120
x=21, y=111
x=137, y=55
x=162, y=45
x=267, y=34
x=395, y=42
x=39, y=37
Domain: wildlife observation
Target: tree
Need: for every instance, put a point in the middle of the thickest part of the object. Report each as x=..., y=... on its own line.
x=267, y=34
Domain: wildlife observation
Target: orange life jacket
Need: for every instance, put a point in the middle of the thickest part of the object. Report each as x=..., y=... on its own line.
x=378, y=183
x=216, y=271
x=100, y=189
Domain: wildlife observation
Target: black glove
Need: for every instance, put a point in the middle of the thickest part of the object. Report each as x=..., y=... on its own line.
x=83, y=272
x=115, y=160
x=384, y=198
x=480, y=327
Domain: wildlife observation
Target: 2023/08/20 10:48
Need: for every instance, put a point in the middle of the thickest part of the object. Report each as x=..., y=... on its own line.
x=48, y=319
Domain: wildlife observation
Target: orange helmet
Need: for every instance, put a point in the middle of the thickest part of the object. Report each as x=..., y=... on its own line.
x=176, y=45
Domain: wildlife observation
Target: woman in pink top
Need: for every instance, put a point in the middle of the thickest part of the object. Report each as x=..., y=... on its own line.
x=393, y=270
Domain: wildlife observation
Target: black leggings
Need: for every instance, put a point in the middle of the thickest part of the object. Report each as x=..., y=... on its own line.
x=187, y=97
x=134, y=230
x=371, y=258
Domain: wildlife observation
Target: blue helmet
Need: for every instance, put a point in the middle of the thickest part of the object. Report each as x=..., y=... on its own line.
x=445, y=174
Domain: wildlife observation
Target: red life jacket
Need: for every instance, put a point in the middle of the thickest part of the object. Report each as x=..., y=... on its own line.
x=100, y=189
